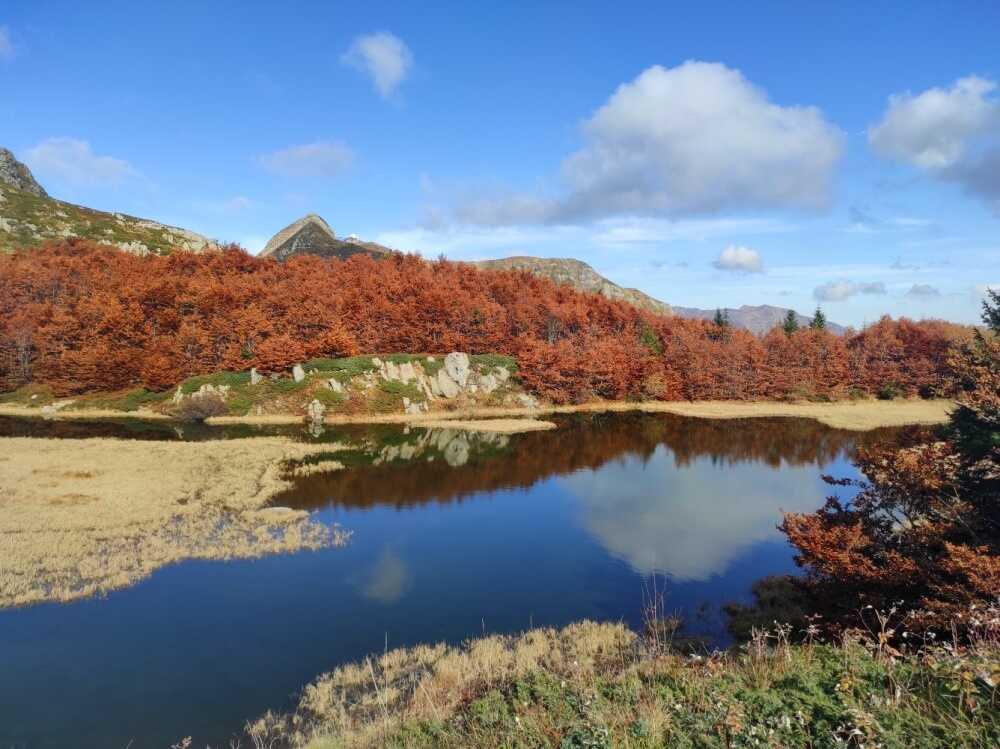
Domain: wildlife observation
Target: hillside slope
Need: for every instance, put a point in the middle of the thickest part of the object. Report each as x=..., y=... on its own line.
x=577, y=274
x=28, y=216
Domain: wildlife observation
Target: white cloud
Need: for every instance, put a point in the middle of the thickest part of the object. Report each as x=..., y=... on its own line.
x=838, y=291
x=383, y=57
x=320, y=159
x=6, y=45
x=739, y=259
x=930, y=129
x=952, y=134
x=74, y=162
x=923, y=291
x=697, y=138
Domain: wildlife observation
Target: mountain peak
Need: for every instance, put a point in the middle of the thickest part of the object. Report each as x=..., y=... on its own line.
x=311, y=235
x=18, y=176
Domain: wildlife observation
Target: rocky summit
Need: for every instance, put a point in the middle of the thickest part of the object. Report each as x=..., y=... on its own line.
x=311, y=235
x=17, y=175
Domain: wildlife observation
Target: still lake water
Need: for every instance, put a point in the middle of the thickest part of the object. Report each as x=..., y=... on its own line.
x=455, y=534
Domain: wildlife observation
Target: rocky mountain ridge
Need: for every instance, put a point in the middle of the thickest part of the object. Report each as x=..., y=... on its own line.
x=29, y=216
x=577, y=274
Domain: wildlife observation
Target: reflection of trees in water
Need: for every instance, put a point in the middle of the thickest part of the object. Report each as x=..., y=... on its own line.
x=415, y=469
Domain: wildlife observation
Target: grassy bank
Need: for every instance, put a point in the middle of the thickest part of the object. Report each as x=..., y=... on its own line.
x=82, y=517
x=599, y=685
x=856, y=415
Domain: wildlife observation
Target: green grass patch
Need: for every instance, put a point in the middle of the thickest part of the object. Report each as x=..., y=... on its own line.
x=29, y=395
x=232, y=379
x=402, y=389
x=486, y=362
x=348, y=366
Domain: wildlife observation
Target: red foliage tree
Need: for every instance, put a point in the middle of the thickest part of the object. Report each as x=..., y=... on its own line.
x=81, y=317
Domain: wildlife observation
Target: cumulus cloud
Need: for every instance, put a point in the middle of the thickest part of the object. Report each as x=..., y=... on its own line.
x=320, y=159
x=838, y=291
x=6, y=45
x=383, y=57
x=923, y=291
x=739, y=260
x=952, y=134
x=74, y=162
x=693, y=139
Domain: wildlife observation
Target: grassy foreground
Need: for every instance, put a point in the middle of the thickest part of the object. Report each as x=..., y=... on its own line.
x=599, y=685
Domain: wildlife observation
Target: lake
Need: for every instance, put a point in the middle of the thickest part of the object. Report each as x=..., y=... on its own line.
x=455, y=534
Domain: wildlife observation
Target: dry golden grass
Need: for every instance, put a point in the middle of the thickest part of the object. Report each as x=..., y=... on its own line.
x=82, y=517
x=360, y=704
x=857, y=415
x=493, y=426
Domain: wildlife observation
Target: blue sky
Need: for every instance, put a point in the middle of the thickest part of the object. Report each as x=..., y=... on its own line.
x=709, y=155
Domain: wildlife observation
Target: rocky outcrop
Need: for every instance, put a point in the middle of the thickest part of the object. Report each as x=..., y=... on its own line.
x=579, y=275
x=18, y=176
x=218, y=391
x=311, y=235
x=425, y=381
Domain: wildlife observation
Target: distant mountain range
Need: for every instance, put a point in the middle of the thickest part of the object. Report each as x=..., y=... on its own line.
x=28, y=216
x=758, y=319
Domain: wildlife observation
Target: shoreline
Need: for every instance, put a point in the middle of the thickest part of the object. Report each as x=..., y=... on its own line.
x=851, y=415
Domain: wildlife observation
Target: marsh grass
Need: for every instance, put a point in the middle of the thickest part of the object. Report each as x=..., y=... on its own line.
x=82, y=517
x=600, y=685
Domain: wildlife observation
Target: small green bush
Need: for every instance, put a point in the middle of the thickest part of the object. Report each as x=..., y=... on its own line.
x=889, y=391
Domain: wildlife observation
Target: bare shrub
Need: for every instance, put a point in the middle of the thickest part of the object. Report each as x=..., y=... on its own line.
x=200, y=407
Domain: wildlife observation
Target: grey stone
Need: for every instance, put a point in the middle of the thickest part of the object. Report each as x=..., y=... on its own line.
x=456, y=364
x=298, y=374
x=448, y=387
x=334, y=384
x=406, y=372
x=255, y=377
x=315, y=411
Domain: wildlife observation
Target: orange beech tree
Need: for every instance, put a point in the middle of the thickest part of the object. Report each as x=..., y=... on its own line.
x=923, y=532
x=81, y=317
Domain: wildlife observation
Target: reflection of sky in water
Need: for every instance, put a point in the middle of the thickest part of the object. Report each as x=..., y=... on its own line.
x=692, y=522
x=389, y=578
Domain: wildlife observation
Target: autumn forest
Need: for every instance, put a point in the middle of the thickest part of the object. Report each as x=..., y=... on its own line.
x=81, y=317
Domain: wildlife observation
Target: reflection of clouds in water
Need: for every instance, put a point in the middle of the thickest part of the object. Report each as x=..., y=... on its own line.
x=690, y=522
x=389, y=579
